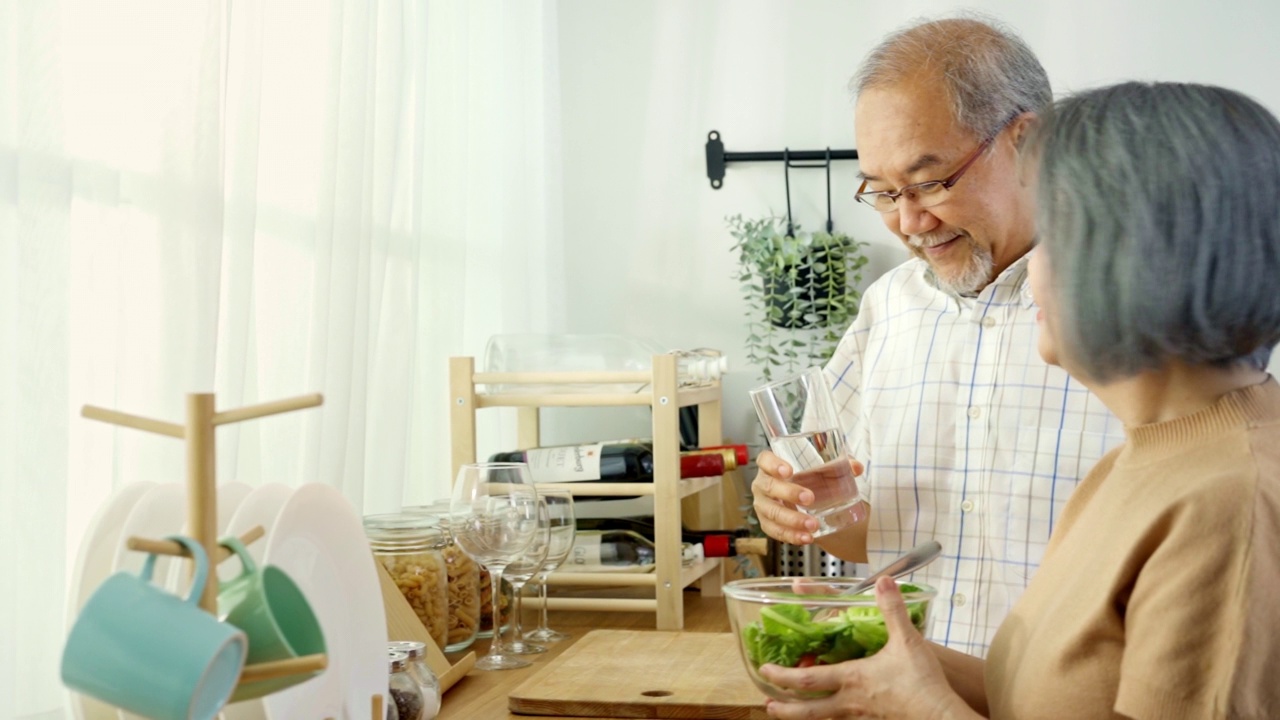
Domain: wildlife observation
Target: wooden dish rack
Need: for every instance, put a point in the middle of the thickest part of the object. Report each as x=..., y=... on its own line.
x=202, y=418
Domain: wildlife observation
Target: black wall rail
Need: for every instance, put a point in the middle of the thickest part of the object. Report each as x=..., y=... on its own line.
x=717, y=158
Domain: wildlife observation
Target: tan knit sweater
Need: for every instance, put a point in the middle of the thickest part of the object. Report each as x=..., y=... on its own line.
x=1159, y=593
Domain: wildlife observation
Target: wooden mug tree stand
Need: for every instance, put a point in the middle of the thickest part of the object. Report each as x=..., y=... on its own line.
x=198, y=432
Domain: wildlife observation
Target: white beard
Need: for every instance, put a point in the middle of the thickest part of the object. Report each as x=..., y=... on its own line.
x=975, y=275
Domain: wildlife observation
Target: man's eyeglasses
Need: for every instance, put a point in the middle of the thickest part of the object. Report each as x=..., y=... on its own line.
x=925, y=194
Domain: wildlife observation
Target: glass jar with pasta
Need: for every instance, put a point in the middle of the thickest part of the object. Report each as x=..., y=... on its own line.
x=465, y=608
x=411, y=548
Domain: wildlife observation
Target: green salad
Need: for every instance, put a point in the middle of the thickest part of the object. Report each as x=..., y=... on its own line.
x=790, y=636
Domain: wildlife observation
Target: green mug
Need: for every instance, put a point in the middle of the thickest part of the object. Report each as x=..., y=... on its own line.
x=151, y=653
x=272, y=611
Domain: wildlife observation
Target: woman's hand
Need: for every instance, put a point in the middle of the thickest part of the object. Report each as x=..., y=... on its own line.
x=776, y=499
x=903, y=680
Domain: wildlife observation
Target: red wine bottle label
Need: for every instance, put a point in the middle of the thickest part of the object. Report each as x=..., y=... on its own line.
x=579, y=463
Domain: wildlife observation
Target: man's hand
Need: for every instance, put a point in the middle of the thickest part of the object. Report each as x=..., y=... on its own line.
x=903, y=680
x=776, y=499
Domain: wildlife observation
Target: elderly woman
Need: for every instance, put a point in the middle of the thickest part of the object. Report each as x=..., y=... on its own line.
x=1158, y=279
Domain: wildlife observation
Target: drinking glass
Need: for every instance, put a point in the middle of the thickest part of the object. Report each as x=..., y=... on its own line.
x=519, y=572
x=562, y=528
x=494, y=518
x=800, y=420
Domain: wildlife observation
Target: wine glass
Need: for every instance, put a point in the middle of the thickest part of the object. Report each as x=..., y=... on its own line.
x=493, y=518
x=519, y=572
x=563, y=526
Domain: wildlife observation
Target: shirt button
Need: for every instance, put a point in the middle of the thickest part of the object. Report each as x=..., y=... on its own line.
x=975, y=411
x=958, y=599
x=988, y=322
x=967, y=506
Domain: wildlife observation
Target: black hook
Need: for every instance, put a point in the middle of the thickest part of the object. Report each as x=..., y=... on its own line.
x=787, y=165
x=786, y=173
x=830, y=225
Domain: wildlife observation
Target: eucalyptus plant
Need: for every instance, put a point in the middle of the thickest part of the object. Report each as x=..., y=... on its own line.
x=800, y=290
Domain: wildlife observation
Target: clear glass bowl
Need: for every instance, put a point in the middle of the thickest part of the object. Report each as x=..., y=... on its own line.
x=796, y=622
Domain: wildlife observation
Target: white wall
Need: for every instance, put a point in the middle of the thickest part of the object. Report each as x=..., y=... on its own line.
x=646, y=248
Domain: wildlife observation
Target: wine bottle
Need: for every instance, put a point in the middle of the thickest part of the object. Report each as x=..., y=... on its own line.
x=735, y=455
x=618, y=551
x=608, y=462
x=584, y=463
x=715, y=543
x=740, y=453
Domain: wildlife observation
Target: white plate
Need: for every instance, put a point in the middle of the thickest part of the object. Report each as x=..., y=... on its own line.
x=318, y=539
x=160, y=512
x=260, y=507
x=93, y=565
x=230, y=496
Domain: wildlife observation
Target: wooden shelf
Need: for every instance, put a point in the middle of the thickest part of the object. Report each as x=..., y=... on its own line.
x=624, y=579
x=697, y=571
x=675, y=499
x=688, y=486
x=604, y=604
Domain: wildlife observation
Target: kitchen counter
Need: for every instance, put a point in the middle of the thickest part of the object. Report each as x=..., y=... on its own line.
x=482, y=695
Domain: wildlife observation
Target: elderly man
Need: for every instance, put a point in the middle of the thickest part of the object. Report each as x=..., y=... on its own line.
x=966, y=435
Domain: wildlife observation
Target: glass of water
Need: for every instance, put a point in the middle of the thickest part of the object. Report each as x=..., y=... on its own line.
x=803, y=428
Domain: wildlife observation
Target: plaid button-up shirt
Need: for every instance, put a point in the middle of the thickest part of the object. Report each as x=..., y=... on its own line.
x=968, y=436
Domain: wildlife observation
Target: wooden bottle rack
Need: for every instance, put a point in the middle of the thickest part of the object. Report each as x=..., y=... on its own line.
x=699, y=499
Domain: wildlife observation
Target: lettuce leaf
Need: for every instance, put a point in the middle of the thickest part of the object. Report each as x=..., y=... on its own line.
x=787, y=631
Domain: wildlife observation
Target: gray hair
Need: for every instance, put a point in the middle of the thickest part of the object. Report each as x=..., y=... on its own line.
x=989, y=72
x=1157, y=206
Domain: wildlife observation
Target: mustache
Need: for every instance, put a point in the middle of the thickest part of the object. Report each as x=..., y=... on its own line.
x=930, y=239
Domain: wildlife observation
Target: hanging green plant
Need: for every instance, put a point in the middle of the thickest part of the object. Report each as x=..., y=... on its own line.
x=800, y=290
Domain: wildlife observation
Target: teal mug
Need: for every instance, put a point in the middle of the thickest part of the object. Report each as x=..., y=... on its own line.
x=151, y=653
x=272, y=611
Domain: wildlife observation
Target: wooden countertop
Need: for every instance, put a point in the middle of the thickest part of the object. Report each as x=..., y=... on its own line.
x=482, y=695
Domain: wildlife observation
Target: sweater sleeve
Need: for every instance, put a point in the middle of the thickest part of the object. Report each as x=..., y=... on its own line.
x=1185, y=615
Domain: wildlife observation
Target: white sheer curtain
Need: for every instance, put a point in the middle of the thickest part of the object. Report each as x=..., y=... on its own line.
x=260, y=198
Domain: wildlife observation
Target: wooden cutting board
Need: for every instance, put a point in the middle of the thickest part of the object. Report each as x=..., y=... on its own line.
x=644, y=674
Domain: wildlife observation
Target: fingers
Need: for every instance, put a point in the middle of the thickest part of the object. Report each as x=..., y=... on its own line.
x=894, y=608
x=778, y=490
x=782, y=523
x=770, y=464
x=858, y=468
x=816, y=678
x=804, y=586
x=819, y=678
x=823, y=709
x=772, y=481
x=775, y=500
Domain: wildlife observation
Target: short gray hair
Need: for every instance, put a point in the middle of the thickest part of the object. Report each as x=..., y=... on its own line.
x=1157, y=206
x=989, y=72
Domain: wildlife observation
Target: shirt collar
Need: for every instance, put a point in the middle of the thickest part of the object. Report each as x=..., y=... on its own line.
x=1010, y=287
